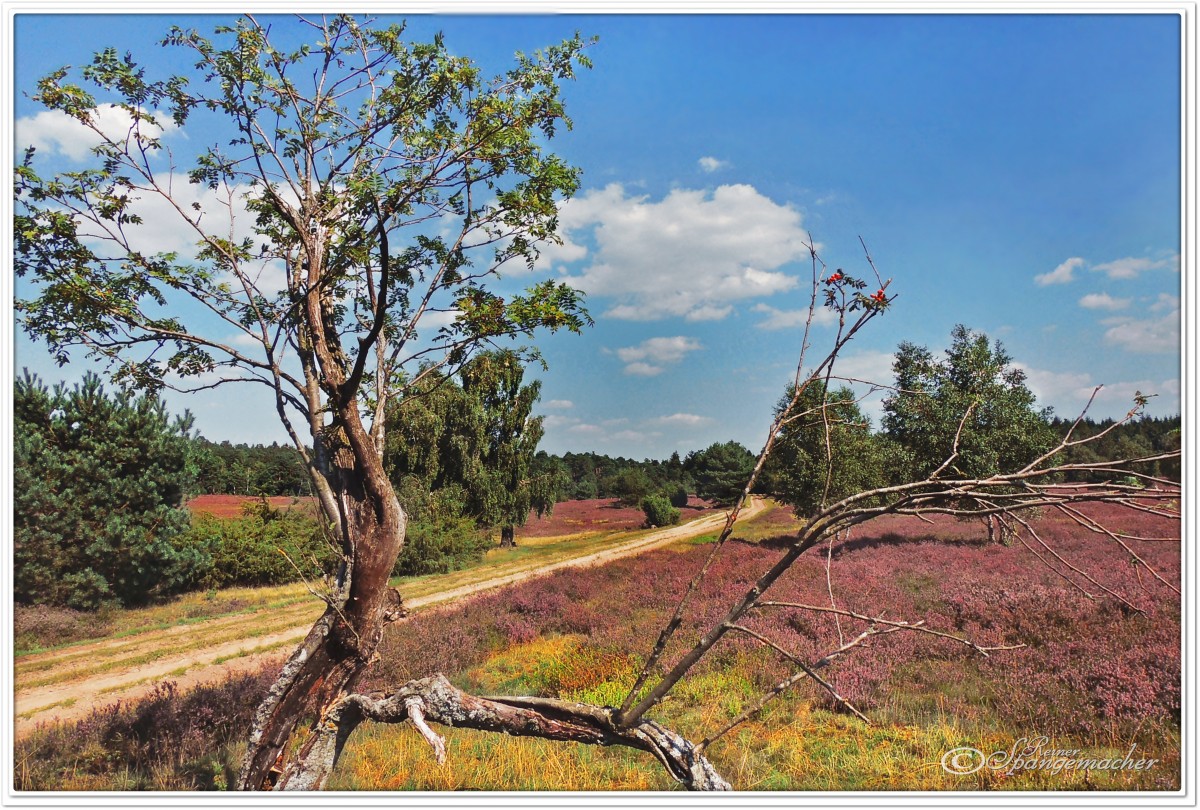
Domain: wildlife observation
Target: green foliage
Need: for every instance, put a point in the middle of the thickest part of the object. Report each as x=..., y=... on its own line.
x=974, y=393
x=98, y=488
x=630, y=486
x=239, y=469
x=1145, y=436
x=439, y=543
x=678, y=496
x=473, y=436
x=659, y=511
x=721, y=471
x=266, y=546
x=826, y=452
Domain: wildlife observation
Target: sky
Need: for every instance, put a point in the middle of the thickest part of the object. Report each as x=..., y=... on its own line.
x=1018, y=174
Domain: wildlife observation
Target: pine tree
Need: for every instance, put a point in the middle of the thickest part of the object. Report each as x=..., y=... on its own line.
x=99, y=484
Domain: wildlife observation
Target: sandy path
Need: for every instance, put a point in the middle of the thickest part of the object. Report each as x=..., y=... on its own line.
x=202, y=665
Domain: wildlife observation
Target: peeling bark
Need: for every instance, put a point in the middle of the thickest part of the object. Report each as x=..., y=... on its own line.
x=437, y=700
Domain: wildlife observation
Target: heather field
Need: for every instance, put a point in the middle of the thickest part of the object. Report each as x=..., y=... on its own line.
x=597, y=514
x=234, y=506
x=1092, y=675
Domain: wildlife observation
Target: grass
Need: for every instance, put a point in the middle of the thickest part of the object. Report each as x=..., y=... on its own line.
x=1089, y=678
x=791, y=746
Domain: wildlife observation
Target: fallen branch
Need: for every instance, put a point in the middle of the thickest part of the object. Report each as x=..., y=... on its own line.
x=436, y=700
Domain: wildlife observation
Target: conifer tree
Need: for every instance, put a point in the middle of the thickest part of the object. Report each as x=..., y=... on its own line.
x=98, y=490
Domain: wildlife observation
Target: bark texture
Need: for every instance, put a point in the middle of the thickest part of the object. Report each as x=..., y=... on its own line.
x=436, y=700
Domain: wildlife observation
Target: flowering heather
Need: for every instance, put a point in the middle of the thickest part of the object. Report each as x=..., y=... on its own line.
x=1087, y=667
x=233, y=506
x=1090, y=670
x=597, y=514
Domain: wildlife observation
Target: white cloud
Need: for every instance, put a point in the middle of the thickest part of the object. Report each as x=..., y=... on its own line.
x=691, y=254
x=1062, y=274
x=711, y=164
x=219, y=212
x=632, y=436
x=793, y=318
x=559, y=404
x=682, y=420
x=1132, y=267
x=1103, y=301
x=56, y=132
x=1158, y=334
x=1153, y=336
x=1068, y=392
x=434, y=319
x=647, y=358
x=643, y=370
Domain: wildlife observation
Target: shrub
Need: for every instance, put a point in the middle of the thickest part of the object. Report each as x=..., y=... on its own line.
x=98, y=488
x=679, y=497
x=437, y=545
x=266, y=546
x=659, y=511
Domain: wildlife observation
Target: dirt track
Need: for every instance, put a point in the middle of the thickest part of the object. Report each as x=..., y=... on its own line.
x=242, y=643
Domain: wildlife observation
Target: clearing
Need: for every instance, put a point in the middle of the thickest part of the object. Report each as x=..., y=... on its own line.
x=67, y=683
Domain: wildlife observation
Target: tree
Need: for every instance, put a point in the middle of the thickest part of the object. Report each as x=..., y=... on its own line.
x=659, y=511
x=479, y=438
x=330, y=187
x=973, y=402
x=825, y=451
x=98, y=489
x=630, y=486
x=974, y=399
x=502, y=486
x=311, y=214
x=720, y=471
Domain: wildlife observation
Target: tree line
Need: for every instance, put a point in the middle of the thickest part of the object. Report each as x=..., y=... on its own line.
x=101, y=478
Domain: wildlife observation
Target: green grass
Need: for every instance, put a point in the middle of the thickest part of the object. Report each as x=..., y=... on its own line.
x=790, y=745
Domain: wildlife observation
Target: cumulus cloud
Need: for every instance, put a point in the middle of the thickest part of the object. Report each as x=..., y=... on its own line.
x=1062, y=274
x=682, y=420
x=1156, y=335
x=1132, y=267
x=58, y=133
x=559, y=405
x=1068, y=393
x=711, y=164
x=691, y=254
x=649, y=357
x=1103, y=301
x=792, y=318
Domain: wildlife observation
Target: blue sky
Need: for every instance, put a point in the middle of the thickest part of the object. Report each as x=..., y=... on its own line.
x=1017, y=174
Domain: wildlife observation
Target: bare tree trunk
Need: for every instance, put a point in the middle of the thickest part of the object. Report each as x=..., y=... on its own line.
x=330, y=660
x=508, y=537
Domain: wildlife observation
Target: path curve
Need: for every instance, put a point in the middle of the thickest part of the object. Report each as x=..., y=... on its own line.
x=74, y=699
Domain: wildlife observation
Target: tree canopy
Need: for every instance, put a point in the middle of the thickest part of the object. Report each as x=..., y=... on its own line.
x=826, y=450
x=98, y=490
x=720, y=471
x=474, y=438
x=972, y=404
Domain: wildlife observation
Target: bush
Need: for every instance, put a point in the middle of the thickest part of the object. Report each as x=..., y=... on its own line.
x=266, y=546
x=98, y=487
x=659, y=511
x=439, y=545
x=679, y=497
